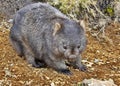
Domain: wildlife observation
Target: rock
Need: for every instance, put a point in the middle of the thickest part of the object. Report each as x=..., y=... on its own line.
x=117, y=11
x=95, y=82
x=52, y=84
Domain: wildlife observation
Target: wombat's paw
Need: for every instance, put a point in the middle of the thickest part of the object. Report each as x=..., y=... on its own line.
x=37, y=65
x=65, y=71
x=42, y=65
x=82, y=68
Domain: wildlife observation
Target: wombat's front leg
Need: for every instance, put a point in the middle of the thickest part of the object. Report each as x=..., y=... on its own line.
x=78, y=64
x=58, y=65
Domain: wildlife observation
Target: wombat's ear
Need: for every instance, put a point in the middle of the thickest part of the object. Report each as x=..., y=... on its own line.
x=57, y=27
x=82, y=23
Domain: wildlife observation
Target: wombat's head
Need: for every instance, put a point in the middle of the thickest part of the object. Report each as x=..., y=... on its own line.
x=69, y=38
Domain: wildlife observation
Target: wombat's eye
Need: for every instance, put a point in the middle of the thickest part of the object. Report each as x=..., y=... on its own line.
x=78, y=46
x=65, y=47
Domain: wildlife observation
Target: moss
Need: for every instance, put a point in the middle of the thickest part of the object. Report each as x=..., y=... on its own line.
x=110, y=11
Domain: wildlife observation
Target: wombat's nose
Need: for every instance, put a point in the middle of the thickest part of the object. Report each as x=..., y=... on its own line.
x=72, y=56
x=72, y=51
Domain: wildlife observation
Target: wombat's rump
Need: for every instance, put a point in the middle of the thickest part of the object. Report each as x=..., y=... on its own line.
x=43, y=35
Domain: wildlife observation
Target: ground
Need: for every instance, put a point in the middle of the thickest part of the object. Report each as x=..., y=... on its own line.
x=101, y=57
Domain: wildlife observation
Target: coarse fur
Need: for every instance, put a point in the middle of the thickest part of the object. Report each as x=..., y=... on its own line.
x=43, y=35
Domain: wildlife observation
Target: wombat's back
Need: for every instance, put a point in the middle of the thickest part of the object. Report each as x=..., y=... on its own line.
x=43, y=9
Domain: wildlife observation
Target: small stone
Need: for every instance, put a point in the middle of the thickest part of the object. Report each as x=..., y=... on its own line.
x=52, y=84
x=89, y=64
x=7, y=72
x=98, y=51
x=96, y=60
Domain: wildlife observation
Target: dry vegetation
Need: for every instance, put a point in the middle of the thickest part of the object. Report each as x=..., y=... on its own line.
x=102, y=55
x=102, y=59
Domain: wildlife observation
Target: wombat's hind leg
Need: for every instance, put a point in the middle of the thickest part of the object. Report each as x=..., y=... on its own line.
x=17, y=45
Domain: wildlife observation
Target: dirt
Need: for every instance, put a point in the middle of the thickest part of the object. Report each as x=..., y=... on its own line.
x=101, y=57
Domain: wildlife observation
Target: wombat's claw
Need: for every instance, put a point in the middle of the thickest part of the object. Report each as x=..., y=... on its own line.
x=41, y=65
x=65, y=71
x=36, y=65
x=83, y=68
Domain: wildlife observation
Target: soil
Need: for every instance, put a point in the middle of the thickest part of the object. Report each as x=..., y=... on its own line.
x=102, y=59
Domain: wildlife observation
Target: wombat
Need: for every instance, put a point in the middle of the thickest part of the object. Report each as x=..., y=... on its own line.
x=45, y=36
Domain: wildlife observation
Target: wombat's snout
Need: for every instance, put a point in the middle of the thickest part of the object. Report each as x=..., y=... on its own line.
x=71, y=53
x=72, y=56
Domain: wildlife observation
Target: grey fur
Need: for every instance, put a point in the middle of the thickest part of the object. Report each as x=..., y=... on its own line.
x=32, y=36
